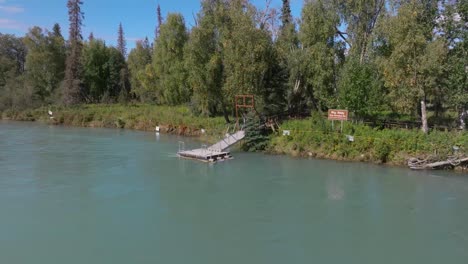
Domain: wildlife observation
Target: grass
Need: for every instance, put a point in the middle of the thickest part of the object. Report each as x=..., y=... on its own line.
x=312, y=137
x=175, y=120
x=315, y=137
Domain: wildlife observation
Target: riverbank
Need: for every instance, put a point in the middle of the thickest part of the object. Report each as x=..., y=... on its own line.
x=142, y=117
x=313, y=137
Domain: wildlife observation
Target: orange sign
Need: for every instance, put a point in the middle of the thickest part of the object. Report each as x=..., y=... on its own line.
x=341, y=115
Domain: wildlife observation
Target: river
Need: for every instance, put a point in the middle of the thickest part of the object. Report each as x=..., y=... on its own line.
x=80, y=195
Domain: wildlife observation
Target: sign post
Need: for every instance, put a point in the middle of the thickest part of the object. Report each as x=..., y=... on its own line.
x=340, y=115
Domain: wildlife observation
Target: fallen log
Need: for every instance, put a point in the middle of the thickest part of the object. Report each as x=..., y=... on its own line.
x=417, y=164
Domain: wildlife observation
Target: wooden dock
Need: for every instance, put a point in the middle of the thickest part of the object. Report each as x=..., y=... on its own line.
x=214, y=153
x=205, y=155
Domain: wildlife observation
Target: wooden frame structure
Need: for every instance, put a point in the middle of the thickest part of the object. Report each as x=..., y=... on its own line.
x=244, y=101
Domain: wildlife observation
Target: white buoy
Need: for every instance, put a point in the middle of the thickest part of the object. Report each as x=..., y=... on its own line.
x=157, y=129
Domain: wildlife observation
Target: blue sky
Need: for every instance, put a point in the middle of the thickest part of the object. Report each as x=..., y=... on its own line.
x=102, y=17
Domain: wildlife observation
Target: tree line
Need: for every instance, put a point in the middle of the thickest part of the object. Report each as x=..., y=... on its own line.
x=368, y=56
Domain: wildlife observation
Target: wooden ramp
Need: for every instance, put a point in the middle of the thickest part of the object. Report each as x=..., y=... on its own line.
x=214, y=153
x=228, y=141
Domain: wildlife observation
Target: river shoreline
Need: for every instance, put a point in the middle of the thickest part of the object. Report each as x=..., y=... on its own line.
x=374, y=147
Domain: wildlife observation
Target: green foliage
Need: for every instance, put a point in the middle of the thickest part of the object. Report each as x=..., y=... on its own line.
x=73, y=89
x=409, y=35
x=168, y=62
x=256, y=137
x=104, y=72
x=321, y=54
x=117, y=80
x=380, y=59
x=203, y=58
x=171, y=119
x=138, y=59
x=45, y=62
x=315, y=136
x=361, y=17
x=456, y=32
x=247, y=55
x=13, y=90
x=360, y=88
x=414, y=64
x=227, y=55
x=95, y=61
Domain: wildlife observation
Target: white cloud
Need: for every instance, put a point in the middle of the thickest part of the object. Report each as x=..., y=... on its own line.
x=11, y=9
x=11, y=24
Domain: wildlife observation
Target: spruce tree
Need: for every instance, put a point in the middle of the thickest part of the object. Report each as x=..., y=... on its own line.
x=256, y=135
x=73, y=87
x=286, y=45
x=286, y=17
x=121, y=42
x=56, y=30
x=160, y=21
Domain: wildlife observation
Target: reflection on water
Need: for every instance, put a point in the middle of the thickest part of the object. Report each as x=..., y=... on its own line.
x=335, y=189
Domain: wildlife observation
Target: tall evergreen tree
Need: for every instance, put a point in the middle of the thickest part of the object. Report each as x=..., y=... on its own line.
x=160, y=21
x=287, y=45
x=57, y=30
x=73, y=87
x=121, y=42
x=286, y=16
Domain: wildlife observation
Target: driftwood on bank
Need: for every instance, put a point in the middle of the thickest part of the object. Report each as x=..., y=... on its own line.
x=431, y=164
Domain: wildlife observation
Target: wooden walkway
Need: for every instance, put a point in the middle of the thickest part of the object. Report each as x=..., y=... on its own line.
x=225, y=143
x=216, y=152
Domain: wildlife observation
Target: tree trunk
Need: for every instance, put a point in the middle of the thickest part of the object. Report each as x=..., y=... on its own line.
x=226, y=115
x=425, y=127
x=462, y=117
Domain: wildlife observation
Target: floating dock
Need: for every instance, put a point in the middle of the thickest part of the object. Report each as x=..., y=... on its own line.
x=214, y=153
x=205, y=155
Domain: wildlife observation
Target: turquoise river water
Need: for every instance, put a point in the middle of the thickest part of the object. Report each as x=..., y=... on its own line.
x=76, y=195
